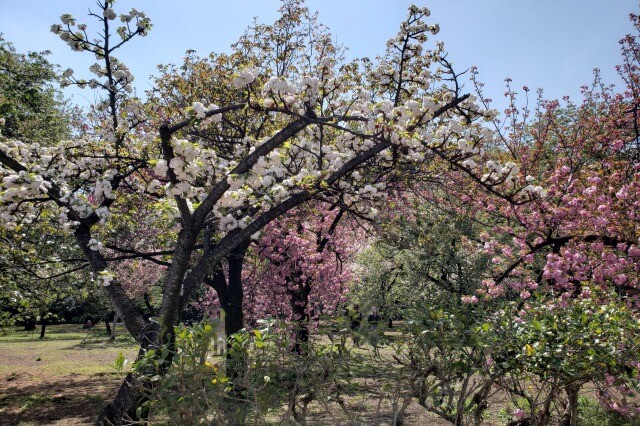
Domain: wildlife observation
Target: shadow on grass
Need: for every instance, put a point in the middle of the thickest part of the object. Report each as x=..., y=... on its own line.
x=103, y=343
x=86, y=340
x=27, y=339
x=74, y=400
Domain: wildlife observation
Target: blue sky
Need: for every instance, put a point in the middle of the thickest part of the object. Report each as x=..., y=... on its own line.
x=553, y=44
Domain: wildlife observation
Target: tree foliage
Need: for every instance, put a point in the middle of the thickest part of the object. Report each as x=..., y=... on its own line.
x=274, y=141
x=30, y=101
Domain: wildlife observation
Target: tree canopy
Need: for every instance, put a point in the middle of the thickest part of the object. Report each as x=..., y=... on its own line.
x=266, y=152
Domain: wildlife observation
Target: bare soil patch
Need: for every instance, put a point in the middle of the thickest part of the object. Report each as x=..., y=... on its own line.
x=74, y=399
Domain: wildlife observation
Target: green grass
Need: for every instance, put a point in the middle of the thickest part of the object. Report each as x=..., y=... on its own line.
x=65, y=349
x=65, y=378
x=592, y=413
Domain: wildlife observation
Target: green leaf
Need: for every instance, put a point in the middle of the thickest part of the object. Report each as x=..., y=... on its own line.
x=165, y=353
x=120, y=362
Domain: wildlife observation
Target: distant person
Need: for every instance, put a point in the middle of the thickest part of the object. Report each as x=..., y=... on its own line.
x=374, y=318
x=355, y=318
x=374, y=321
x=220, y=339
x=88, y=325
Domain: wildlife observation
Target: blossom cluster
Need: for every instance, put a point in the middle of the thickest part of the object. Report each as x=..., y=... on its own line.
x=295, y=271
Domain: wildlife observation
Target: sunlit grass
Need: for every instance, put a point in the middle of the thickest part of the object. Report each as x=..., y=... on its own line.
x=66, y=349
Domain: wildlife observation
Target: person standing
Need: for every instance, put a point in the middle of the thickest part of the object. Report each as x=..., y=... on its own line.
x=355, y=318
x=374, y=321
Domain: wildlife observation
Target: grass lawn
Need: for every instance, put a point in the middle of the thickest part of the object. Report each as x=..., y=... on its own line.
x=65, y=379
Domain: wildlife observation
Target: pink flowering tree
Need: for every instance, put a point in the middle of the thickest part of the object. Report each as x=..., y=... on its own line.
x=569, y=238
x=580, y=227
x=302, y=268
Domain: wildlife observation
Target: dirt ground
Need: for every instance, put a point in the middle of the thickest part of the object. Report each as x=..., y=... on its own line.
x=74, y=399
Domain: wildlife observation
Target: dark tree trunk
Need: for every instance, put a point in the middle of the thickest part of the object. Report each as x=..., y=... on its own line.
x=302, y=334
x=230, y=294
x=234, y=319
x=229, y=290
x=299, y=308
x=108, y=318
x=151, y=312
x=124, y=405
x=43, y=328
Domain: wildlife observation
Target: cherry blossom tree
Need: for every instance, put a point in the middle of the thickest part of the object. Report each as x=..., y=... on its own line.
x=40, y=267
x=291, y=122
x=303, y=267
x=582, y=161
x=570, y=237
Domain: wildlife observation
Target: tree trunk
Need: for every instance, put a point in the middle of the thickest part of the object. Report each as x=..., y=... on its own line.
x=571, y=414
x=151, y=312
x=230, y=294
x=133, y=392
x=116, y=318
x=108, y=326
x=43, y=328
x=124, y=405
x=234, y=315
x=302, y=329
x=231, y=301
x=299, y=300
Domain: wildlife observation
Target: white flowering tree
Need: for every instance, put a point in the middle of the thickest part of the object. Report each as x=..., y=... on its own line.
x=281, y=121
